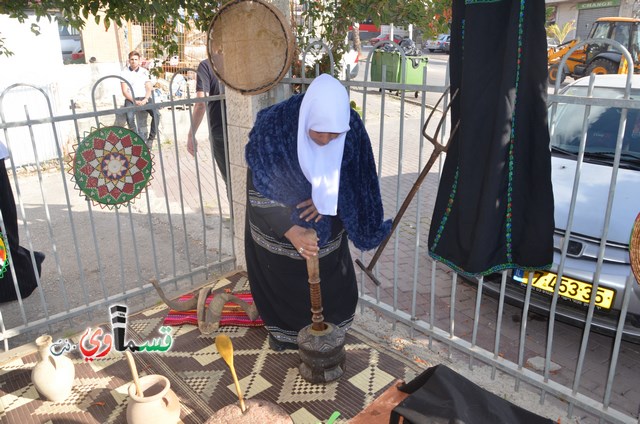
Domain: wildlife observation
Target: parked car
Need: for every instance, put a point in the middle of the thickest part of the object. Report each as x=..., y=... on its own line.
x=316, y=53
x=441, y=43
x=385, y=37
x=589, y=215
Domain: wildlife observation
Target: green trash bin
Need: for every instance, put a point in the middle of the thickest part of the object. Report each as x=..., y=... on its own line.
x=413, y=67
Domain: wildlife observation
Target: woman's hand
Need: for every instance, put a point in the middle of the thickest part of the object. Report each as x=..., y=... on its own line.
x=310, y=212
x=304, y=240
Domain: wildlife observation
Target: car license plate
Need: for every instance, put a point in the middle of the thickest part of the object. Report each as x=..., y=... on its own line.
x=577, y=291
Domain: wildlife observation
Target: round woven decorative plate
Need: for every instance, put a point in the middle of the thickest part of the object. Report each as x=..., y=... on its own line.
x=634, y=248
x=250, y=45
x=112, y=165
x=4, y=260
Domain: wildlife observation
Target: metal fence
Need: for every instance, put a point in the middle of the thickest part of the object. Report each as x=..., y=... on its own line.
x=180, y=231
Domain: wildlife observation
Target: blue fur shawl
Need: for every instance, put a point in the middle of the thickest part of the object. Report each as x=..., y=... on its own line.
x=273, y=158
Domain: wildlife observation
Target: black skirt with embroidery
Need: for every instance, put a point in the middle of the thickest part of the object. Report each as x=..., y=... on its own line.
x=21, y=257
x=278, y=274
x=494, y=208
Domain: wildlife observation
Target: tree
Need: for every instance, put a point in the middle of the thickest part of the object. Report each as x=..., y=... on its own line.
x=335, y=17
x=163, y=14
x=330, y=21
x=560, y=34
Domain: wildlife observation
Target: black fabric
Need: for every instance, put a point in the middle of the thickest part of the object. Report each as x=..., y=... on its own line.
x=20, y=256
x=439, y=396
x=494, y=208
x=278, y=274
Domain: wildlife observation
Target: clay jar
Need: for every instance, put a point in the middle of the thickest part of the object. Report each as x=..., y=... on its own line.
x=53, y=375
x=158, y=403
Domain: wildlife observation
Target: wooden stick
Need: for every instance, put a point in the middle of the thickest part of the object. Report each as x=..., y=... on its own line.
x=313, y=269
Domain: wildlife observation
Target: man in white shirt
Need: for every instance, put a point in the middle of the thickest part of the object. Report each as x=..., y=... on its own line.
x=138, y=78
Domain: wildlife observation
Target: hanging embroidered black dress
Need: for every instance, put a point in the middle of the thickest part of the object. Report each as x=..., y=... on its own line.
x=21, y=257
x=494, y=208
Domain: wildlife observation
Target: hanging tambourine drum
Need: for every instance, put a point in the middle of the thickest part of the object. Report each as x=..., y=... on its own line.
x=250, y=45
x=634, y=248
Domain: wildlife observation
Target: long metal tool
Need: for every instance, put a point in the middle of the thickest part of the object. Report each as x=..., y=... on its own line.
x=437, y=150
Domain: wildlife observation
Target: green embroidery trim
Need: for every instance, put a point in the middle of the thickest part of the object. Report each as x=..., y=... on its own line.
x=4, y=255
x=447, y=211
x=512, y=140
x=492, y=270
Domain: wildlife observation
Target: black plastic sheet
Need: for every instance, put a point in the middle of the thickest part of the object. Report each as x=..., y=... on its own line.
x=440, y=395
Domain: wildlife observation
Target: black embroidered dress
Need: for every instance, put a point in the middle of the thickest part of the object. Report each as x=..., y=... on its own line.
x=275, y=184
x=494, y=208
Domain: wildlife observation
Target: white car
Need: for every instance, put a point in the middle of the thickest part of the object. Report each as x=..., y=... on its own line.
x=315, y=55
x=438, y=44
x=590, y=211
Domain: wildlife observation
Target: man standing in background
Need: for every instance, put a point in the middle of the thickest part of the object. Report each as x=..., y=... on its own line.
x=140, y=82
x=207, y=84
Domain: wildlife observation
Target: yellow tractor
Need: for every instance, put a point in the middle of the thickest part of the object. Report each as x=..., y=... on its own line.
x=598, y=57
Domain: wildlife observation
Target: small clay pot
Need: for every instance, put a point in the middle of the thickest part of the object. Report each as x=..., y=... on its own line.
x=53, y=375
x=258, y=411
x=157, y=405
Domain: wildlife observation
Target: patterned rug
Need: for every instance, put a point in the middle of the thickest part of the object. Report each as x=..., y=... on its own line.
x=201, y=378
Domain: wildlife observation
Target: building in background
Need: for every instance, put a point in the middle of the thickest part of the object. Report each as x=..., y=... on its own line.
x=585, y=13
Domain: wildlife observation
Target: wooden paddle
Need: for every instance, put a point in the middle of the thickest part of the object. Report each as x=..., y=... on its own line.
x=225, y=348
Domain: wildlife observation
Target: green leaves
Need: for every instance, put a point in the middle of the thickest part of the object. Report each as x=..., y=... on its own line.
x=332, y=18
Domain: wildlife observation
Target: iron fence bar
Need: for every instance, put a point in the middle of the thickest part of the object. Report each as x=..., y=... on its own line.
x=152, y=235
x=617, y=340
x=197, y=169
x=452, y=310
x=25, y=221
x=168, y=208
x=396, y=237
x=179, y=174
x=135, y=244
x=432, y=302
x=96, y=245
x=74, y=233
x=91, y=115
x=496, y=343
x=558, y=390
x=567, y=235
x=523, y=325
x=214, y=171
x=418, y=223
x=603, y=239
x=476, y=317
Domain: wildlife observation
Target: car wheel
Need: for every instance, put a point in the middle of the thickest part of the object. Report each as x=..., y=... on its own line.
x=601, y=67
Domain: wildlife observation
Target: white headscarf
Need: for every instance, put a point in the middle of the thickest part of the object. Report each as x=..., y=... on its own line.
x=324, y=108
